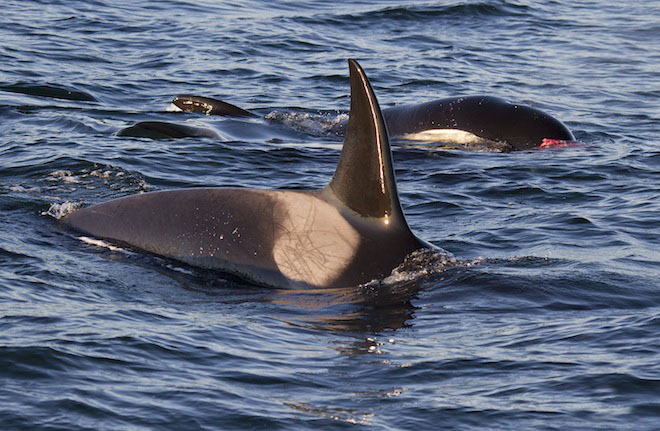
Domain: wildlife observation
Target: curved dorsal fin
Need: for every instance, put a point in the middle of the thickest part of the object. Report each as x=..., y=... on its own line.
x=210, y=106
x=364, y=179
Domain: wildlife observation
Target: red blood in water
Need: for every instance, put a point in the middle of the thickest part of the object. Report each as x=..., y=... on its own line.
x=555, y=143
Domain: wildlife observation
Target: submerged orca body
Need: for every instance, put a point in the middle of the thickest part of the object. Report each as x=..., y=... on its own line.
x=348, y=233
x=484, y=121
x=162, y=129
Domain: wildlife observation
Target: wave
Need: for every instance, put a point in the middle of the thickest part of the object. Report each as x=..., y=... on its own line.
x=421, y=13
x=49, y=91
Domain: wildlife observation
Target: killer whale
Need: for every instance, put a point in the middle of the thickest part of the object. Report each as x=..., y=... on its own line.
x=348, y=233
x=163, y=129
x=488, y=121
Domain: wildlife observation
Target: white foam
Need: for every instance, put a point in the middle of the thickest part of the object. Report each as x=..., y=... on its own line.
x=418, y=264
x=173, y=108
x=313, y=124
x=59, y=210
x=179, y=269
x=101, y=173
x=18, y=188
x=99, y=243
x=63, y=176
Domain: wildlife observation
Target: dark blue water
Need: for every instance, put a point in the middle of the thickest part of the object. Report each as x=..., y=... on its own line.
x=551, y=319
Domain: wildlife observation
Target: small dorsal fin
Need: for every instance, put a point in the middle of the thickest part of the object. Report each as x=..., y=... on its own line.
x=210, y=106
x=364, y=179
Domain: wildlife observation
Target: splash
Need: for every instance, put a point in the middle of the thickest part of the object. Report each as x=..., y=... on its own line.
x=311, y=124
x=98, y=177
x=59, y=210
x=63, y=176
x=100, y=243
x=420, y=263
x=417, y=265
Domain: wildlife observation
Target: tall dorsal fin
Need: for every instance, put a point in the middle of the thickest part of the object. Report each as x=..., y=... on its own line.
x=364, y=179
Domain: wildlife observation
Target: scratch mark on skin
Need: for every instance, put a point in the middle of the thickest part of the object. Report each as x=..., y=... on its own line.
x=314, y=242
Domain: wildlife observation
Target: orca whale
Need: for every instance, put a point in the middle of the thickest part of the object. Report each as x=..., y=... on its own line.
x=482, y=121
x=485, y=120
x=350, y=232
x=163, y=129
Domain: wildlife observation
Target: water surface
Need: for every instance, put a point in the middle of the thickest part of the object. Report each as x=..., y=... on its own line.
x=551, y=320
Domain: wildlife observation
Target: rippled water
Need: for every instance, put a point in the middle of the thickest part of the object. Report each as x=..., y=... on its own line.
x=549, y=321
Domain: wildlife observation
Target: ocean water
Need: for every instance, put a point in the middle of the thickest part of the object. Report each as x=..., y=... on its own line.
x=550, y=320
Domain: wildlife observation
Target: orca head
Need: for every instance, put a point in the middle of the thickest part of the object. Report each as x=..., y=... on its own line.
x=532, y=128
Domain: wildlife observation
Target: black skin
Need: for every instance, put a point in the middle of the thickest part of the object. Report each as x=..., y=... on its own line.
x=503, y=125
x=346, y=234
x=488, y=117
